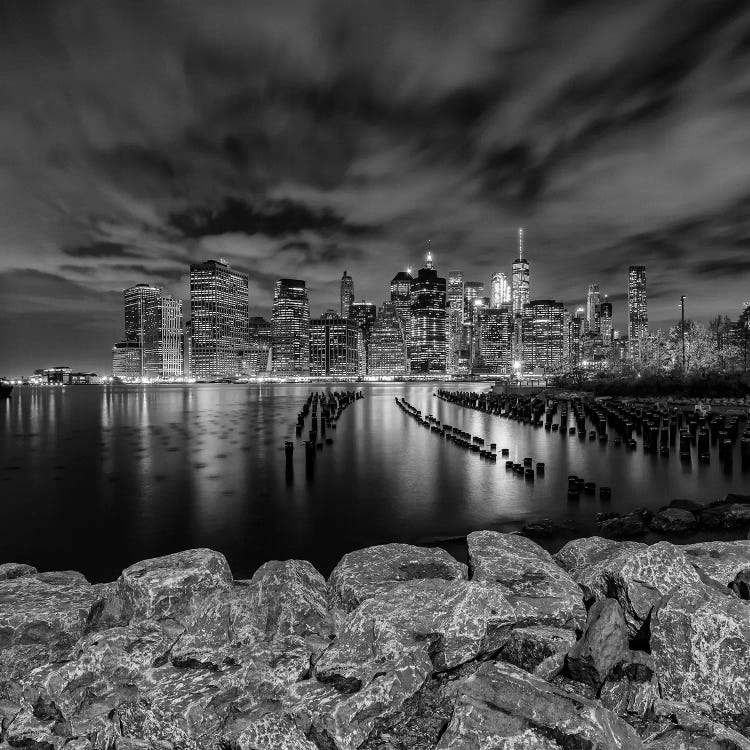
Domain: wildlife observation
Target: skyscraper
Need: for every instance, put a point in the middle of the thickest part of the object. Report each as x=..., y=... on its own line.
x=428, y=322
x=334, y=346
x=386, y=354
x=495, y=326
x=454, y=319
x=575, y=337
x=153, y=321
x=543, y=334
x=521, y=275
x=499, y=290
x=347, y=294
x=605, y=321
x=592, y=309
x=401, y=285
x=365, y=314
x=219, y=312
x=255, y=359
x=290, y=328
x=637, y=309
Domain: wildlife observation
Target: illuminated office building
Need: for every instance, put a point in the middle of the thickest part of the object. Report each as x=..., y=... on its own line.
x=637, y=310
x=494, y=325
x=605, y=321
x=427, y=350
x=521, y=278
x=334, y=349
x=153, y=321
x=576, y=330
x=499, y=290
x=290, y=328
x=592, y=309
x=256, y=359
x=386, y=353
x=365, y=313
x=543, y=334
x=126, y=360
x=347, y=294
x=455, y=289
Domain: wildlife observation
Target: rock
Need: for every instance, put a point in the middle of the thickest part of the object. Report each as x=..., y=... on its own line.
x=632, y=687
x=700, y=642
x=361, y=574
x=501, y=706
x=677, y=727
x=727, y=515
x=690, y=505
x=272, y=732
x=529, y=572
x=603, y=645
x=15, y=570
x=623, y=527
x=585, y=561
x=41, y=620
x=673, y=521
x=733, y=497
x=540, y=650
x=721, y=561
x=164, y=587
x=36, y=733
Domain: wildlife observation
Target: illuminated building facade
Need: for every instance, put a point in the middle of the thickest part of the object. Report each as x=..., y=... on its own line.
x=256, y=358
x=495, y=326
x=126, y=360
x=153, y=321
x=543, y=322
x=455, y=289
x=637, y=310
x=521, y=279
x=334, y=349
x=427, y=350
x=386, y=353
x=365, y=313
x=347, y=294
x=219, y=313
x=499, y=290
x=605, y=322
x=290, y=328
x=592, y=309
x=576, y=329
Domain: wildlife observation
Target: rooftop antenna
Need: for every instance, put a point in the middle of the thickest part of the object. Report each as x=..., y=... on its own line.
x=520, y=243
x=429, y=264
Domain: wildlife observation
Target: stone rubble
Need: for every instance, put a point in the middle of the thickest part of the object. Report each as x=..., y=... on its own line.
x=606, y=644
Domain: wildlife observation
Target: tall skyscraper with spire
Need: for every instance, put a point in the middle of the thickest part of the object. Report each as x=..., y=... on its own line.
x=521, y=278
x=347, y=294
x=427, y=349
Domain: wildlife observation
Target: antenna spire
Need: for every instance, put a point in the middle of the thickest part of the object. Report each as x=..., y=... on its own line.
x=429, y=264
x=520, y=243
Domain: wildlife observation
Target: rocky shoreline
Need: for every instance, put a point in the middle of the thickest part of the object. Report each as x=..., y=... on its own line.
x=606, y=644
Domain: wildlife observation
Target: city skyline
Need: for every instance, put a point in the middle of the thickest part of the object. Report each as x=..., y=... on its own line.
x=161, y=137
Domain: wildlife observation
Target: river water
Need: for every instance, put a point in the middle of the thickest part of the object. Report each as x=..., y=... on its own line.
x=93, y=478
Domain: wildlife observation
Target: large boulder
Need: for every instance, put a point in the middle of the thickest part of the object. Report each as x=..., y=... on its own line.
x=15, y=570
x=501, y=706
x=530, y=573
x=632, y=686
x=726, y=515
x=603, y=645
x=673, y=521
x=720, y=561
x=623, y=527
x=40, y=621
x=637, y=576
x=164, y=587
x=585, y=560
x=538, y=649
x=365, y=572
x=700, y=641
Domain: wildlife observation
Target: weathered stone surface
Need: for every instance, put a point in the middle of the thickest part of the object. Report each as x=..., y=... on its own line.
x=529, y=572
x=272, y=732
x=701, y=646
x=365, y=572
x=165, y=587
x=40, y=621
x=632, y=687
x=623, y=527
x=540, y=650
x=727, y=515
x=741, y=584
x=34, y=732
x=673, y=521
x=721, y=561
x=501, y=706
x=603, y=645
x=676, y=726
x=15, y=570
x=690, y=505
x=585, y=561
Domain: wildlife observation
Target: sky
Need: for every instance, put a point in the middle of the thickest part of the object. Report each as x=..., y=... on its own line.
x=301, y=139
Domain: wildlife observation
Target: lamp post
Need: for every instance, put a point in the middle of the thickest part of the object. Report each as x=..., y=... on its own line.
x=682, y=330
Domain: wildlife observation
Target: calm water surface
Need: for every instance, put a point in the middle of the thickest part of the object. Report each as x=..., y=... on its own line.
x=94, y=478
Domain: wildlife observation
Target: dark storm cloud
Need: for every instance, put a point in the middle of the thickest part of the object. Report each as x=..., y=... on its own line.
x=273, y=218
x=302, y=138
